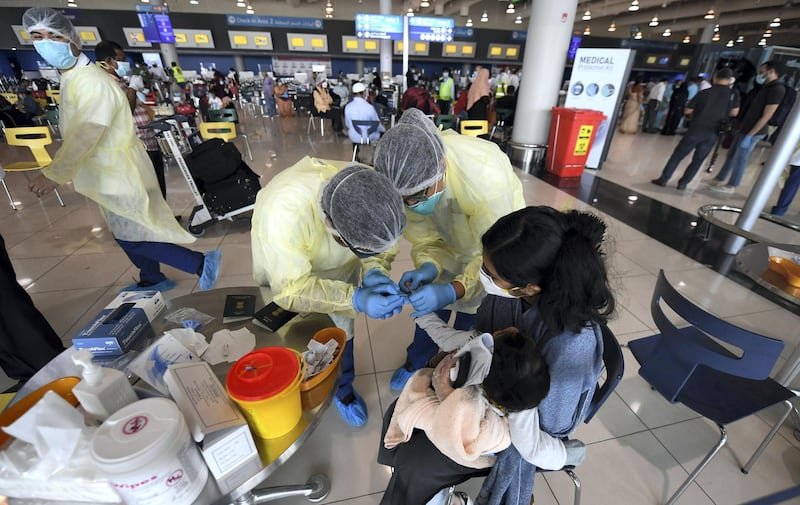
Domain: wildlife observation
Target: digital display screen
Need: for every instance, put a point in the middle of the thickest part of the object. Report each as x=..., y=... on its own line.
x=574, y=45
x=156, y=24
x=431, y=29
x=378, y=26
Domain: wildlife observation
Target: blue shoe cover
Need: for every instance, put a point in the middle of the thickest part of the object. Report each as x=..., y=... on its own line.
x=162, y=286
x=400, y=377
x=210, y=269
x=354, y=413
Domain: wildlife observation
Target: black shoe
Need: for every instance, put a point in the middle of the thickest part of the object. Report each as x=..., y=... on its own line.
x=681, y=186
x=659, y=182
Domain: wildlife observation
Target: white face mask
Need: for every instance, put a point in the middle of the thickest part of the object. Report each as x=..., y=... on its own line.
x=491, y=288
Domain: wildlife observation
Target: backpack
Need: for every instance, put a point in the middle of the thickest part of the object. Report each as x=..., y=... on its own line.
x=784, y=108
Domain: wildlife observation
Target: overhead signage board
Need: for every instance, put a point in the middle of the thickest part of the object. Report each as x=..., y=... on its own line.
x=463, y=32
x=431, y=29
x=379, y=26
x=273, y=22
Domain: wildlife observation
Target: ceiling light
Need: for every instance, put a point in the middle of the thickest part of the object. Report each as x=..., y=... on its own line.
x=510, y=9
x=145, y=1
x=424, y=3
x=518, y=20
x=710, y=14
x=469, y=22
x=667, y=33
x=484, y=17
x=729, y=44
x=715, y=38
x=250, y=9
x=587, y=16
x=193, y=2
x=410, y=12
x=716, y=28
x=767, y=34
x=71, y=3
x=612, y=27
x=587, y=31
x=740, y=39
x=762, y=42
x=240, y=3
x=638, y=36
x=687, y=39
x=634, y=6
x=328, y=16
x=775, y=23
x=654, y=21
x=328, y=8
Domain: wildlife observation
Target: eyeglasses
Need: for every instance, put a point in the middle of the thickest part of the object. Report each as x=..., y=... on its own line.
x=420, y=196
x=361, y=253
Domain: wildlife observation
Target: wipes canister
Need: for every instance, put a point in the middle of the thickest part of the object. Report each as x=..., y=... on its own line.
x=147, y=454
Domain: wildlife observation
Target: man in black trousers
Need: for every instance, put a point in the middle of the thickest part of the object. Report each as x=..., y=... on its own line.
x=27, y=341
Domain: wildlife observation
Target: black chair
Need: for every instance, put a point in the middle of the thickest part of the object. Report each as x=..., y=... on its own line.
x=690, y=366
x=614, y=365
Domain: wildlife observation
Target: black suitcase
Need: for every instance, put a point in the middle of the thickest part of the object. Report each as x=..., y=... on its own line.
x=237, y=191
x=213, y=161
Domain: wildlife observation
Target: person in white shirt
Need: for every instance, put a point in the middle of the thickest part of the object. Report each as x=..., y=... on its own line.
x=654, y=97
x=158, y=73
x=360, y=110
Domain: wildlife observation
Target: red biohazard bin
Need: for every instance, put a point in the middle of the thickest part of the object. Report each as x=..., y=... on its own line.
x=571, y=135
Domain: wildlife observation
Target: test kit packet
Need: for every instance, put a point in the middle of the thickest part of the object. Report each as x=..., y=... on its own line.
x=122, y=324
x=214, y=421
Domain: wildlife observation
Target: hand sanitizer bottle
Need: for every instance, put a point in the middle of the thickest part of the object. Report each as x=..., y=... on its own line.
x=102, y=391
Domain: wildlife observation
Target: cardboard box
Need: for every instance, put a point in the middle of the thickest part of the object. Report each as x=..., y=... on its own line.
x=214, y=420
x=122, y=324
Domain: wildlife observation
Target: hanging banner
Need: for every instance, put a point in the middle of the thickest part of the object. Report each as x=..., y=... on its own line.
x=598, y=83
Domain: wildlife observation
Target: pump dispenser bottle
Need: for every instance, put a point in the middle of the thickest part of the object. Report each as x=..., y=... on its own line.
x=102, y=391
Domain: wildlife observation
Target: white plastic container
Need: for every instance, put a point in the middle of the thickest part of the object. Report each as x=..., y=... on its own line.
x=145, y=450
x=102, y=391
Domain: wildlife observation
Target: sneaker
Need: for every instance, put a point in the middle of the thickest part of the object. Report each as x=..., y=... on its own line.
x=715, y=182
x=210, y=269
x=352, y=409
x=401, y=376
x=776, y=212
x=719, y=188
x=659, y=182
x=681, y=186
x=162, y=286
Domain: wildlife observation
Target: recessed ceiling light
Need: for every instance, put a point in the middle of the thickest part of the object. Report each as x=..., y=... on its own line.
x=638, y=36
x=762, y=42
x=484, y=17
x=240, y=3
x=767, y=34
x=775, y=23
x=587, y=16
x=469, y=22
x=634, y=6
x=667, y=33
x=710, y=14
x=687, y=39
x=729, y=44
x=194, y=2
x=587, y=31
x=410, y=12
x=612, y=27
x=715, y=38
x=653, y=22
x=518, y=21
x=740, y=39
x=424, y=3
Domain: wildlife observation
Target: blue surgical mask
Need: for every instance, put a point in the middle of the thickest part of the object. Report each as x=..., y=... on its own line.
x=57, y=54
x=427, y=206
x=760, y=79
x=123, y=68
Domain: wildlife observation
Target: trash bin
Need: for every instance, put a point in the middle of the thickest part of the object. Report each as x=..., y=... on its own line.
x=572, y=132
x=527, y=157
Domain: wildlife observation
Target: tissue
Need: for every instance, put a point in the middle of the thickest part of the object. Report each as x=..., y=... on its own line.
x=319, y=356
x=229, y=346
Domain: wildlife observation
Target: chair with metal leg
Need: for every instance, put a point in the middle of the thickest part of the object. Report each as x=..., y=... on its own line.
x=474, y=127
x=446, y=121
x=365, y=129
x=696, y=365
x=35, y=138
x=230, y=116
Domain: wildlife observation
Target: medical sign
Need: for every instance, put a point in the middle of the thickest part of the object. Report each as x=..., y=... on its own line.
x=431, y=29
x=582, y=144
x=378, y=26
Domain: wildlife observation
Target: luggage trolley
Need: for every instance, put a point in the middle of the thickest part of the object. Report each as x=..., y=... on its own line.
x=176, y=135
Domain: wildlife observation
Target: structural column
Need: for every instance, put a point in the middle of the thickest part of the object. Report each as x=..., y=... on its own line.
x=238, y=63
x=385, y=7
x=549, y=33
x=169, y=54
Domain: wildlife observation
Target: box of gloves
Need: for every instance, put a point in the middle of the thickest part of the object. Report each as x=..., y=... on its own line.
x=122, y=324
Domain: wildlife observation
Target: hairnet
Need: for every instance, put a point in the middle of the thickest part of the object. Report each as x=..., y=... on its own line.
x=411, y=153
x=45, y=18
x=364, y=207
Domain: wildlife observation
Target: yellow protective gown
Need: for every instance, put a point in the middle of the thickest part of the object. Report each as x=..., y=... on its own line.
x=480, y=187
x=294, y=252
x=105, y=160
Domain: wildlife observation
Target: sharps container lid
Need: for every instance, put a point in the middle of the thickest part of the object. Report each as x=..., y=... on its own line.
x=262, y=374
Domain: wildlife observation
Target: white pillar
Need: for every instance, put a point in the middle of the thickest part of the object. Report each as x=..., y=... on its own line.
x=238, y=62
x=708, y=32
x=385, y=7
x=549, y=34
x=170, y=54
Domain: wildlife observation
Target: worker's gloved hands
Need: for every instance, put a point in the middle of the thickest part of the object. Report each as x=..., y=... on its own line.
x=379, y=302
x=431, y=297
x=576, y=452
x=376, y=278
x=412, y=280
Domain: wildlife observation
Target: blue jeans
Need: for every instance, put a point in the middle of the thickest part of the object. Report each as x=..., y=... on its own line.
x=348, y=371
x=702, y=143
x=423, y=348
x=736, y=160
x=147, y=256
x=787, y=193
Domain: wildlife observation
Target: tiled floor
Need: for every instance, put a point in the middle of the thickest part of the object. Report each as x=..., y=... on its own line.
x=640, y=446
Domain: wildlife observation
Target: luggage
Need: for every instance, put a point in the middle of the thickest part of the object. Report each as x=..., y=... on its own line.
x=214, y=160
x=237, y=191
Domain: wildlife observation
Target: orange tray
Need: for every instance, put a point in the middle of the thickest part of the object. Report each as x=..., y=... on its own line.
x=63, y=387
x=787, y=268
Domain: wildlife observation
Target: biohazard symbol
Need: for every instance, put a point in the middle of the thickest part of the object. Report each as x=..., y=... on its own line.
x=134, y=425
x=175, y=477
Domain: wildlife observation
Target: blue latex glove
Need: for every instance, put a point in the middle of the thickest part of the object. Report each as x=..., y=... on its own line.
x=431, y=297
x=747, y=142
x=412, y=280
x=379, y=302
x=375, y=278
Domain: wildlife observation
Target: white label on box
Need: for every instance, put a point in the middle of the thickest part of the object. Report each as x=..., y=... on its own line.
x=211, y=404
x=232, y=451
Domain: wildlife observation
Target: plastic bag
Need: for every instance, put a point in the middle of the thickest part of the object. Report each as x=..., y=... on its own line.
x=189, y=318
